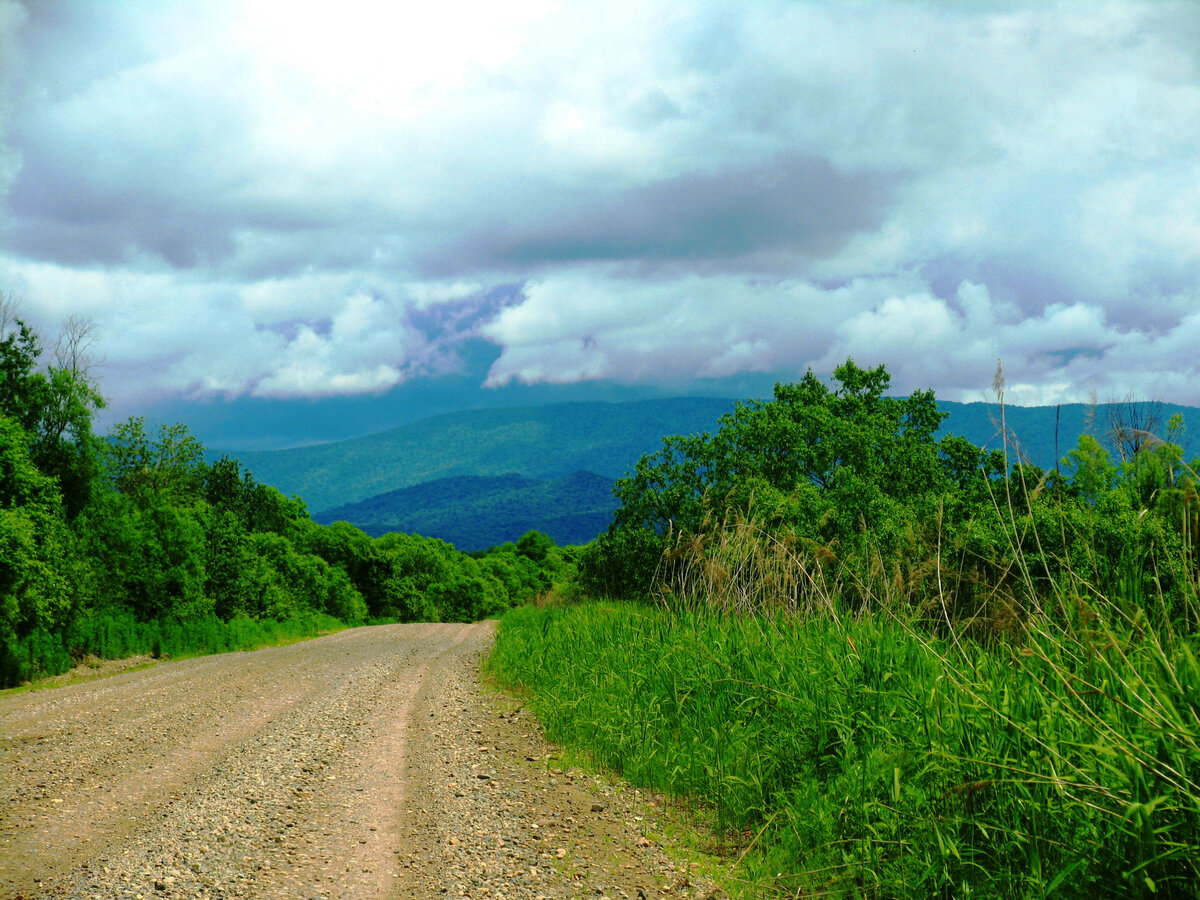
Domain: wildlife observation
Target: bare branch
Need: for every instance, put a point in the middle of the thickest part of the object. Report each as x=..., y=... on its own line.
x=1132, y=423
x=10, y=311
x=72, y=350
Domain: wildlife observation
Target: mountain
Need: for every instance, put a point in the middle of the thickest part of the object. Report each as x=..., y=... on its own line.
x=475, y=512
x=482, y=477
x=1045, y=434
x=542, y=442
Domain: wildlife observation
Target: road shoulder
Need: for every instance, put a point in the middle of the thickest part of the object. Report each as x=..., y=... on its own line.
x=514, y=818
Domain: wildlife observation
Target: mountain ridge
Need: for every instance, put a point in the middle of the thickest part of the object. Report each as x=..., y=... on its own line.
x=543, y=442
x=606, y=439
x=476, y=512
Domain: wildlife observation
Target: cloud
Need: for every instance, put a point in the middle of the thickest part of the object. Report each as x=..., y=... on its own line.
x=272, y=199
x=797, y=207
x=630, y=330
x=357, y=355
x=596, y=325
x=315, y=335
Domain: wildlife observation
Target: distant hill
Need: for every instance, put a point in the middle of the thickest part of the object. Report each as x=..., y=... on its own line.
x=1045, y=434
x=480, y=477
x=543, y=442
x=475, y=512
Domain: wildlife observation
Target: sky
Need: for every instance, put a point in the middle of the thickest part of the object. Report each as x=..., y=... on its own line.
x=291, y=221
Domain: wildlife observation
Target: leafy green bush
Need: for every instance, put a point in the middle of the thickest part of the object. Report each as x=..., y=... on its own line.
x=36, y=552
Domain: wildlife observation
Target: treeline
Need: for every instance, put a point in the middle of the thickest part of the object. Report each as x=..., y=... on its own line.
x=132, y=542
x=894, y=665
x=842, y=492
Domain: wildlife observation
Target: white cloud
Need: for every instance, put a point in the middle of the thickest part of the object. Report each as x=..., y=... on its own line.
x=315, y=335
x=604, y=327
x=259, y=197
x=597, y=325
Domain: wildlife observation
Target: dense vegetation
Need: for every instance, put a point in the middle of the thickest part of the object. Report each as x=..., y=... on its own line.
x=131, y=542
x=892, y=663
x=456, y=476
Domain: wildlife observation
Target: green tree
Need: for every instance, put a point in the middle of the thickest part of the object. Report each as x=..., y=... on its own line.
x=260, y=507
x=849, y=442
x=55, y=408
x=37, y=571
x=169, y=464
x=1089, y=469
x=830, y=464
x=148, y=555
x=535, y=546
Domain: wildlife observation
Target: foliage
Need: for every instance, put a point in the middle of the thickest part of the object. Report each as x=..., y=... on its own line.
x=36, y=553
x=141, y=466
x=855, y=495
x=119, y=635
x=54, y=408
x=137, y=528
x=830, y=466
x=622, y=563
x=893, y=663
x=858, y=757
x=845, y=451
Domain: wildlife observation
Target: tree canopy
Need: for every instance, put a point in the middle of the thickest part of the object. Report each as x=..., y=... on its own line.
x=137, y=523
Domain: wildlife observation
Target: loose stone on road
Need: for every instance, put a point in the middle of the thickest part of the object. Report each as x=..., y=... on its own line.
x=368, y=763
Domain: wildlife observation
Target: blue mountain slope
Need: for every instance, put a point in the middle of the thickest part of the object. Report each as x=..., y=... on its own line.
x=483, y=476
x=542, y=442
x=478, y=512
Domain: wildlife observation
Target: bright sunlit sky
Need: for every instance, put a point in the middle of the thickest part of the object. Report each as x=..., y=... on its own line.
x=366, y=205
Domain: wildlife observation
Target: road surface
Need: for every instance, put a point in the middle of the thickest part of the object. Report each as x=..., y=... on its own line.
x=367, y=763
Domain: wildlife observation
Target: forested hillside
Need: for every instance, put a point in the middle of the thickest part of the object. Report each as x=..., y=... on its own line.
x=542, y=442
x=478, y=512
x=131, y=542
x=364, y=480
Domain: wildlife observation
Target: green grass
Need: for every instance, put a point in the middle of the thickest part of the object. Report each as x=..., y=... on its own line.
x=859, y=757
x=119, y=636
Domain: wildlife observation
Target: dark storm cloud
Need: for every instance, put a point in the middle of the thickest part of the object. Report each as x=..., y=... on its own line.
x=795, y=204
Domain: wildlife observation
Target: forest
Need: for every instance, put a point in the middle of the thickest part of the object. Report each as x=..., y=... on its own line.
x=131, y=543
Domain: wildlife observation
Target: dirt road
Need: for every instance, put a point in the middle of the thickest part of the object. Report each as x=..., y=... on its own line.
x=368, y=763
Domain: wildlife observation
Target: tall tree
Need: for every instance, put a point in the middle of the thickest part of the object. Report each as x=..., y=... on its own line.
x=36, y=588
x=55, y=407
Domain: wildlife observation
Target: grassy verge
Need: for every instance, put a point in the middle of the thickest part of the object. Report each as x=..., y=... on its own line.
x=859, y=757
x=41, y=655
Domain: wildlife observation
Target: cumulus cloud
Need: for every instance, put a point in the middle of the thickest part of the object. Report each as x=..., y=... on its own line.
x=269, y=199
x=312, y=335
x=595, y=325
x=603, y=327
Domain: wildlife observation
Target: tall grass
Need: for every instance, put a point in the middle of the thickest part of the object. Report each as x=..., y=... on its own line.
x=995, y=693
x=855, y=737
x=860, y=758
x=120, y=635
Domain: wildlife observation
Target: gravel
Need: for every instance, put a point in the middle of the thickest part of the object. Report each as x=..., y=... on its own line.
x=369, y=763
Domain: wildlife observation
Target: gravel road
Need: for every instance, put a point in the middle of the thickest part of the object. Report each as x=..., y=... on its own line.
x=368, y=763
